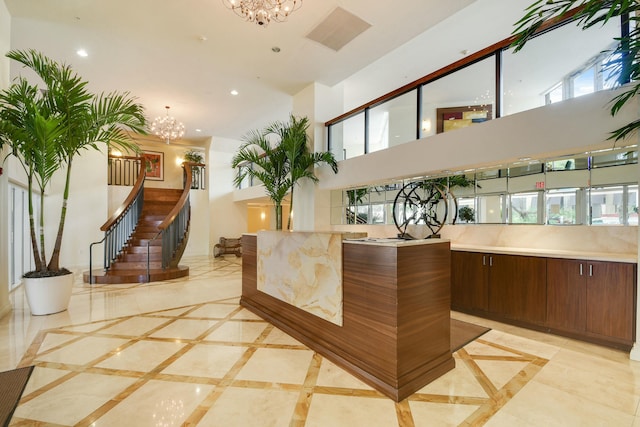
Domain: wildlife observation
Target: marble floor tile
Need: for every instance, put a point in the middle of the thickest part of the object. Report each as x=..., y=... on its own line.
x=135, y=326
x=428, y=414
x=542, y=405
x=184, y=329
x=41, y=377
x=350, y=411
x=237, y=332
x=52, y=340
x=142, y=356
x=83, y=351
x=183, y=352
x=277, y=365
x=242, y=407
x=213, y=311
x=276, y=336
x=460, y=381
x=156, y=403
x=331, y=375
x=245, y=314
x=75, y=399
x=206, y=360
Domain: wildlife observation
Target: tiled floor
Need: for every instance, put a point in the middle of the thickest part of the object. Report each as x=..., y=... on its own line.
x=183, y=352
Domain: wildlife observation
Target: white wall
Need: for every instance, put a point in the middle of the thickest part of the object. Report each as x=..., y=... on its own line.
x=228, y=217
x=5, y=306
x=87, y=209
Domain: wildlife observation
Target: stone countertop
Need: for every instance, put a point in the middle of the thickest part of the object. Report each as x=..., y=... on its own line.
x=549, y=253
x=392, y=241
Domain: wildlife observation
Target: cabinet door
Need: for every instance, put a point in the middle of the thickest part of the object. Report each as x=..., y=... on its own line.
x=567, y=294
x=610, y=299
x=468, y=281
x=518, y=287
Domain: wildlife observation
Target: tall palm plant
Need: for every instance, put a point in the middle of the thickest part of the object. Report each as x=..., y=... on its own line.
x=279, y=157
x=257, y=158
x=294, y=141
x=69, y=119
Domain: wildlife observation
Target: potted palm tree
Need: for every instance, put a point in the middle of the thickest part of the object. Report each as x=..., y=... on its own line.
x=45, y=129
x=279, y=157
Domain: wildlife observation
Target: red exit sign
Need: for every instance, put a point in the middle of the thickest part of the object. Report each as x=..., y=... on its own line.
x=540, y=184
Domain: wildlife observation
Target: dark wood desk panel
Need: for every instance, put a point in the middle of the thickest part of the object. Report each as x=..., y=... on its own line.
x=395, y=334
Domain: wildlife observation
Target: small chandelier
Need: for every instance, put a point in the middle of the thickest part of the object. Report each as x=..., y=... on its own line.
x=167, y=128
x=263, y=11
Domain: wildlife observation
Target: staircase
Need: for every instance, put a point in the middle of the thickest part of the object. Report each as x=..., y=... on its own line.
x=131, y=264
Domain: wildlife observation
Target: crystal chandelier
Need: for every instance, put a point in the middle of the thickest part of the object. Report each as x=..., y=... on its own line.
x=263, y=11
x=167, y=127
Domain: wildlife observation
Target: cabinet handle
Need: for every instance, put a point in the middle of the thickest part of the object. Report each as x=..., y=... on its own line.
x=484, y=260
x=581, y=269
x=590, y=270
x=490, y=261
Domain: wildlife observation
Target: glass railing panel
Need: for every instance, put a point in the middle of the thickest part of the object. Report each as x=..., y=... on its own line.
x=346, y=138
x=560, y=64
x=463, y=98
x=393, y=122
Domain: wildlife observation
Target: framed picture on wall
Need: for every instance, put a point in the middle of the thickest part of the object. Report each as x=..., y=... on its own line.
x=154, y=161
x=460, y=117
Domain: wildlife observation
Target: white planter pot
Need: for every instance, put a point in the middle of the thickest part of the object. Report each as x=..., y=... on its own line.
x=48, y=295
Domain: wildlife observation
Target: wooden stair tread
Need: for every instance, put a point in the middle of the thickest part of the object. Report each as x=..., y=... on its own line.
x=135, y=276
x=131, y=265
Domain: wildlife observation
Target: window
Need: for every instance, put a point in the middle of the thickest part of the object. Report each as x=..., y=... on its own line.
x=583, y=83
x=491, y=209
x=562, y=206
x=554, y=95
x=524, y=209
x=614, y=205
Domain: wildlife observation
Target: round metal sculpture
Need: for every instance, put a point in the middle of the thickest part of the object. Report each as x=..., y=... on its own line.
x=420, y=203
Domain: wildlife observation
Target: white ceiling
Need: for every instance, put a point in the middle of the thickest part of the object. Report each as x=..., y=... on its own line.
x=190, y=54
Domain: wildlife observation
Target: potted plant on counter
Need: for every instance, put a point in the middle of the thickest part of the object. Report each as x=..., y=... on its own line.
x=45, y=128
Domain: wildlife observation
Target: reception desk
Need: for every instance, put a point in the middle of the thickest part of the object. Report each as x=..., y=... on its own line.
x=393, y=326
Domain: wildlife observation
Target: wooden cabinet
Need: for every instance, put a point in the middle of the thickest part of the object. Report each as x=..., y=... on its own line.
x=593, y=298
x=507, y=285
x=469, y=281
x=590, y=300
x=517, y=287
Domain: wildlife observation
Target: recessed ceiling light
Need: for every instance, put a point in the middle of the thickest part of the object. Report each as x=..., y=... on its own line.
x=234, y=92
x=198, y=130
x=82, y=52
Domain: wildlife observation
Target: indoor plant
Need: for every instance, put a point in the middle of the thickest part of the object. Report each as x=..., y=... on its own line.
x=279, y=157
x=197, y=157
x=45, y=128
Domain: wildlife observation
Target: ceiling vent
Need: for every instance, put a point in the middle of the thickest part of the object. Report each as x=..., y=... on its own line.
x=338, y=29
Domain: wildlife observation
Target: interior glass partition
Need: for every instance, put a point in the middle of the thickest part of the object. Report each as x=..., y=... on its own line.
x=393, y=122
x=347, y=137
x=460, y=99
x=560, y=64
